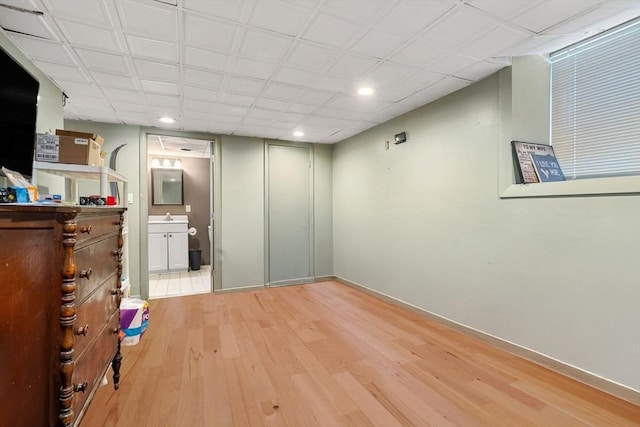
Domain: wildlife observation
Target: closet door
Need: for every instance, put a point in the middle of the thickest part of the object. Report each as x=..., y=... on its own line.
x=289, y=214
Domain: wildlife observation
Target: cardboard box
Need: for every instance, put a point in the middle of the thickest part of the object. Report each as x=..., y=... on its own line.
x=70, y=147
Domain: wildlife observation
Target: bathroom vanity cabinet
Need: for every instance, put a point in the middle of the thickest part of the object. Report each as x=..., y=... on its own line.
x=168, y=246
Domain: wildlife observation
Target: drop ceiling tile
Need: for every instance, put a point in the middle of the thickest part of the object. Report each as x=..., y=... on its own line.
x=250, y=121
x=223, y=118
x=90, y=36
x=156, y=71
x=202, y=78
x=245, y=86
x=199, y=115
x=505, y=9
x=310, y=56
x=160, y=87
x=290, y=117
x=102, y=61
x=231, y=10
x=303, y=109
x=113, y=80
x=201, y=58
x=75, y=89
x=461, y=26
x=25, y=23
x=450, y=64
x=410, y=17
x=201, y=107
x=608, y=15
x=552, y=12
x=195, y=125
x=144, y=47
x=282, y=92
x=270, y=104
x=352, y=66
x=46, y=50
x=117, y=94
x=387, y=74
x=437, y=90
x=130, y=107
x=62, y=72
x=135, y=118
x=248, y=67
x=91, y=11
x=332, y=84
x=358, y=104
x=260, y=113
x=331, y=30
x=209, y=33
x=419, y=52
x=378, y=44
x=221, y=128
x=153, y=20
x=364, y=11
x=341, y=114
x=200, y=93
x=495, y=41
x=96, y=101
x=294, y=76
x=239, y=100
x=269, y=15
x=234, y=110
x=163, y=101
x=316, y=97
x=479, y=70
x=264, y=45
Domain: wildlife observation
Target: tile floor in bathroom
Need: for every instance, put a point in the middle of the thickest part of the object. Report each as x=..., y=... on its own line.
x=164, y=285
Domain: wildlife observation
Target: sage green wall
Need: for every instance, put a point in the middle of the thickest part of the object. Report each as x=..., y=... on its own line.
x=423, y=222
x=242, y=217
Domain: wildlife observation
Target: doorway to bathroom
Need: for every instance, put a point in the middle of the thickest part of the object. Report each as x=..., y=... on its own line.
x=180, y=215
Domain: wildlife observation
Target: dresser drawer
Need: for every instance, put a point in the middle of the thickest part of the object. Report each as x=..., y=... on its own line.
x=94, y=263
x=94, y=313
x=91, y=226
x=90, y=367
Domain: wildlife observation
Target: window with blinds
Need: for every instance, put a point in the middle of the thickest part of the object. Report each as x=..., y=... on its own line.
x=595, y=111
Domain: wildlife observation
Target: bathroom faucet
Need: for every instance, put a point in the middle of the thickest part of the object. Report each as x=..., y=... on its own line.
x=168, y=217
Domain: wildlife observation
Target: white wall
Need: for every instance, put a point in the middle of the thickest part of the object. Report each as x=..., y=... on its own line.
x=423, y=222
x=323, y=209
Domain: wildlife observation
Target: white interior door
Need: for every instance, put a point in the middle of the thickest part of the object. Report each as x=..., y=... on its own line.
x=289, y=214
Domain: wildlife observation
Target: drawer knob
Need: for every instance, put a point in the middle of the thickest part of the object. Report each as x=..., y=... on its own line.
x=116, y=252
x=86, y=229
x=83, y=330
x=86, y=273
x=115, y=330
x=116, y=292
x=80, y=387
x=117, y=222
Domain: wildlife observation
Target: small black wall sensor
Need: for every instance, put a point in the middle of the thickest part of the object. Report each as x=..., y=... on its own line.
x=401, y=137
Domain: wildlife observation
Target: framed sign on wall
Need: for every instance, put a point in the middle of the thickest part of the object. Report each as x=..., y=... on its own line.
x=535, y=163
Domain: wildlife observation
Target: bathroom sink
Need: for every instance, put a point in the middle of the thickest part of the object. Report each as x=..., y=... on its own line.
x=162, y=219
x=160, y=224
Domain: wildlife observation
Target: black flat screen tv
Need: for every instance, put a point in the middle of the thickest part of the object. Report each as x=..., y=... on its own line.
x=18, y=112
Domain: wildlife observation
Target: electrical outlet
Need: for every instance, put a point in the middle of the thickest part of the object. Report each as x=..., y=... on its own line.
x=187, y=208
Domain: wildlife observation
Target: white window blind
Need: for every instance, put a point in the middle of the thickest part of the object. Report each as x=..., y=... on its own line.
x=595, y=123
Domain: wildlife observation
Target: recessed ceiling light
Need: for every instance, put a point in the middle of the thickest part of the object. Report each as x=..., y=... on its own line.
x=167, y=120
x=365, y=91
x=298, y=133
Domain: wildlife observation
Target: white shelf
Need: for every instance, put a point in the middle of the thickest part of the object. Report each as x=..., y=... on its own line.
x=83, y=172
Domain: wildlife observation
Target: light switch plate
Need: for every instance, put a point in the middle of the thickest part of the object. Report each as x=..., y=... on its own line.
x=187, y=208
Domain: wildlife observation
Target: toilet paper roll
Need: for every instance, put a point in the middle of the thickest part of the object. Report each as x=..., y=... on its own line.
x=192, y=231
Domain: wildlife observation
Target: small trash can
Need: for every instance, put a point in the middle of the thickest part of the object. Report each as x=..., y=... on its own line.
x=194, y=259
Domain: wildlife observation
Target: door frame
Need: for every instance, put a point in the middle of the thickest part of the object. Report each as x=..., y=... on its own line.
x=309, y=147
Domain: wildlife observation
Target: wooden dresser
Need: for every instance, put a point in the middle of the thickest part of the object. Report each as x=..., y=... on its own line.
x=60, y=269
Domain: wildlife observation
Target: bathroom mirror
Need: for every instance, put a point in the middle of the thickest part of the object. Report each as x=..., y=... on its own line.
x=166, y=186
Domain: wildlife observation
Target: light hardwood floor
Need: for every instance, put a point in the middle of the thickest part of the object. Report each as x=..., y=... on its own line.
x=328, y=355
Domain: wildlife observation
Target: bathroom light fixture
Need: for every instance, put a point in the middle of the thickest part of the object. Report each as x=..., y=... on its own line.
x=155, y=163
x=298, y=133
x=365, y=91
x=177, y=163
x=166, y=163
